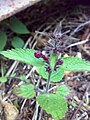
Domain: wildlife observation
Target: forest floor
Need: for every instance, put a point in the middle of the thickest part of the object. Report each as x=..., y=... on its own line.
x=44, y=18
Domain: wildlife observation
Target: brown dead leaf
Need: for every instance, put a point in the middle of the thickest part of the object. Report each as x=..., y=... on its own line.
x=11, y=112
x=41, y=43
x=84, y=36
x=49, y=118
x=86, y=33
x=73, y=83
x=67, y=73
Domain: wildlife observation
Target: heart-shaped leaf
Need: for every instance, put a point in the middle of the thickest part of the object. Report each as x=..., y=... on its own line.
x=25, y=91
x=3, y=79
x=23, y=55
x=62, y=90
x=56, y=76
x=54, y=104
x=17, y=42
x=3, y=40
x=17, y=26
x=75, y=64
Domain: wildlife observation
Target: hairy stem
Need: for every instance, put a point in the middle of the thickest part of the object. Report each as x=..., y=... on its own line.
x=48, y=83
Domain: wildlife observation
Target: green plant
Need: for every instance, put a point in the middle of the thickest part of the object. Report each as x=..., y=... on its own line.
x=50, y=66
x=17, y=27
x=3, y=40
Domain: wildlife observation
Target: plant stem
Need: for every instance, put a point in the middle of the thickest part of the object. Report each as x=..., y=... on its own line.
x=48, y=83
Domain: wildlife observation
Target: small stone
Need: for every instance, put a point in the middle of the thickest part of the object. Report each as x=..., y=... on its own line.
x=11, y=112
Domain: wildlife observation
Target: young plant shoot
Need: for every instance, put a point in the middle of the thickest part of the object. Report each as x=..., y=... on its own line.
x=51, y=66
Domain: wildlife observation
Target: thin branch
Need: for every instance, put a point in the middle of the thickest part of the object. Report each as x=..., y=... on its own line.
x=23, y=104
x=81, y=103
x=79, y=43
x=79, y=27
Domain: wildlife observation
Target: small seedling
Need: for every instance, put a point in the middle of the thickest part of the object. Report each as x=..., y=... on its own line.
x=51, y=67
x=17, y=27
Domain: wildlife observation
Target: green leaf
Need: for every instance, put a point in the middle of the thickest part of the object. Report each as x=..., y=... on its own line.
x=17, y=42
x=3, y=79
x=17, y=26
x=62, y=90
x=4, y=22
x=23, y=55
x=3, y=40
x=16, y=103
x=56, y=76
x=23, y=78
x=73, y=103
x=75, y=64
x=25, y=91
x=54, y=104
x=53, y=61
x=13, y=75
